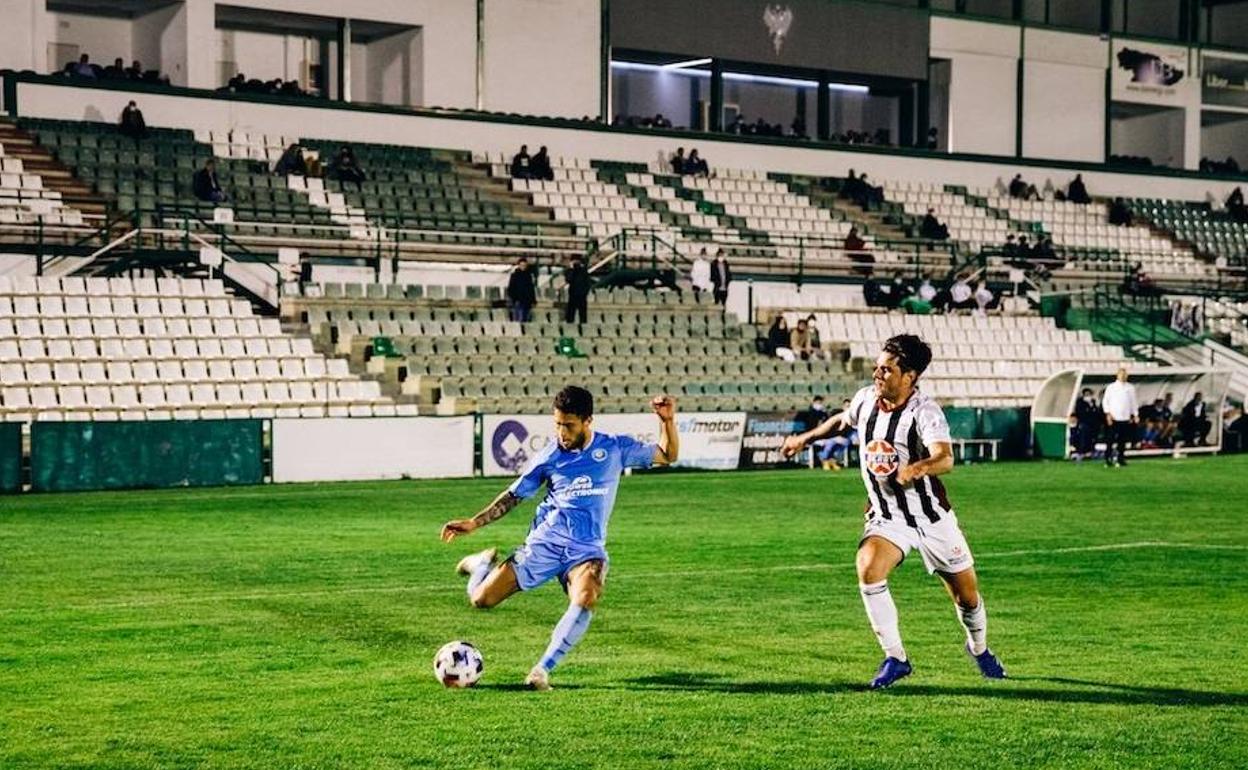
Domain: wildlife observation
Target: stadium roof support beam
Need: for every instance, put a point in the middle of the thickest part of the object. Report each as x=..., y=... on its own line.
x=717, y=95
x=344, y=60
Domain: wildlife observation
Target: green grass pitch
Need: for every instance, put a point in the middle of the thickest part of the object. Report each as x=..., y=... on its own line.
x=293, y=627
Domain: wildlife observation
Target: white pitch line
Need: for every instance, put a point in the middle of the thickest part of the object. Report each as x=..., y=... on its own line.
x=451, y=586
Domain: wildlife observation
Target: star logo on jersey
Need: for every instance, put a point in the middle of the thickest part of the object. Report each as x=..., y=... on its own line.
x=599, y=455
x=880, y=458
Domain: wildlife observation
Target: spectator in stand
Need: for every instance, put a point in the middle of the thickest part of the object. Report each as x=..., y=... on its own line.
x=961, y=296
x=1045, y=253
x=898, y=291
x=1023, y=191
x=815, y=341
x=778, y=339
x=1235, y=431
x=1156, y=419
x=115, y=71
x=347, y=169
x=1235, y=206
x=1010, y=251
x=678, y=162
x=824, y=449
x=134, y=71
x=291, y=162
x=132, y=123
x=1024, y=250
x=205, y=185
x=696, y=165
x=579, y=284
x=1119, y=213
x=721, y=277
x=872, y=293
x=520, y=164
x=932, y=144
x=1195, y=424
x=856, y=250
x=931, y=227
x=84, y=68
x=1122, y=415
x=1077, y=192
x=860, y=191
x=927, y=292
x=521, y=292
x=835, y=451
x=700, y=274
x=539, y=166
x=985, y=300
x=1086, y=420
x=661, y=122
x=799, y=341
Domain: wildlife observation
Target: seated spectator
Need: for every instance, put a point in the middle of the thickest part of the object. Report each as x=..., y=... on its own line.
x=539, y=165
x=678, y=162
x=778, y=339
x=932, y=229
x=520, y=164
x=815, y=341
x=1024, y=250
x=132, y=123
x=347, y=169
x=134, y=71
x=1077, y=192
x=898, y=291
x=291, y=162
x=1194, y=423
x=985, y=300
x=205, y=185
x=1021, y=190
x=927, y=292
x=84, y=68
x=237, y=83
x=854, y=242
x=1119, y=214
x=857, y=251
x=696, y=165
x=1009, y=251
x=799, y=341
x=115, y=71
x=1235, y=206
x=872, y=293
x=661, y=122
x=1235, y=432
x=932, y=144
x=961, y=295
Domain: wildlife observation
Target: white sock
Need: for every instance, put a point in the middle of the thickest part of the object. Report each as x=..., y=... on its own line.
x=883, y=616
x=478, y=575
x=568, y=631
x=975, y=621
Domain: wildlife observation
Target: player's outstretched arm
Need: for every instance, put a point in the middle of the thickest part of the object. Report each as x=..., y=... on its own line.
x=496, y=510
x=669, y=438
x=939, y=463
x=795, y=444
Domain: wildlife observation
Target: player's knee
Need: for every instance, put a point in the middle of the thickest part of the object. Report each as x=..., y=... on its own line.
x=481, y=601
x=586, y=596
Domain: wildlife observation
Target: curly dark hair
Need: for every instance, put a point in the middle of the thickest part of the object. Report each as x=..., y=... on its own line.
x=574, y=400
x=912, y=353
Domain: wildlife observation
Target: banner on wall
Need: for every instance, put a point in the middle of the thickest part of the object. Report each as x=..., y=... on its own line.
x=1151, y=73
x=710, y=440
x=764, y=435
x=361, y=448
x=1224, y=81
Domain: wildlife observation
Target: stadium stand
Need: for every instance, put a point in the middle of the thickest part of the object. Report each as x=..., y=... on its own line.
x=159, y=348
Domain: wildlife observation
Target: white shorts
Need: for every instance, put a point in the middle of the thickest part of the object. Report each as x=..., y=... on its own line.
x=942, y=545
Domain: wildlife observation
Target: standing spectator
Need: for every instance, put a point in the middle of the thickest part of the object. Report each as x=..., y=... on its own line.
x=1122, y=415
x=700, y=274
x=291, y=162
x=1077, y=192
x=521, y=292
x=539, y=166
x=678, y=162
x=1087, y=423
x=579, y=283
x=721, y=276
x=696, y=165
x=931, y=227
x=1194, y=423
x=132, y=123
x=812, y=418
x=205, y=185
x=799, y=341
x=347, y=169
x=520, y=164
x=961, y=296
x=778, y=339
x=1235, y=206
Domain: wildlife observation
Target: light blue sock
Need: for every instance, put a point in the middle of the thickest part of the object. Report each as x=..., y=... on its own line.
x=568, y=631
x=478, y=575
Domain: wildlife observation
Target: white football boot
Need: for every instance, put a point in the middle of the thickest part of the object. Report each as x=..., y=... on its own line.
x=469, y=563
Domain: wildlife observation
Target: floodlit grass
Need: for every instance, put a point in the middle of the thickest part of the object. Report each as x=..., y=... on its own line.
x=293, y=627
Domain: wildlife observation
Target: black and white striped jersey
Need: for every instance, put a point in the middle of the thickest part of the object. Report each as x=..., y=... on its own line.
x=890, y=440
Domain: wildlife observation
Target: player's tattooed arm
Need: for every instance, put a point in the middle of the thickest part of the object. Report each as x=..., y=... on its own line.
x=496, y=510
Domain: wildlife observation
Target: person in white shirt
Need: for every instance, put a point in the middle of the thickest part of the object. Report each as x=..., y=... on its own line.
x=927, y=292
x=961, y=295
x=1122, y=414
x=983, y=298
x=700, y=274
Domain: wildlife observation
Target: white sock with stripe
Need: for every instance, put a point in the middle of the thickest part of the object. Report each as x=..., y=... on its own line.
x=882, y=613
x=975, y=621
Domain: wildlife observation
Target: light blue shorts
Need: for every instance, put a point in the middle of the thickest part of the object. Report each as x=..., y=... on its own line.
x=538, y=561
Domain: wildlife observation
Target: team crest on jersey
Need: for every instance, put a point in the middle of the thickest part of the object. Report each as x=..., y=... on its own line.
x=880, y=458
x=599, y=455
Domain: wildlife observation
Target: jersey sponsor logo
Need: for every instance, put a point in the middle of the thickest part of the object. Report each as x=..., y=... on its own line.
x=581, y=486
x=880, y=458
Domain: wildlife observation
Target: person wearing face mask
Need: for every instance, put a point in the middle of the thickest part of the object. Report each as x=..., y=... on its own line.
x=1086, y=420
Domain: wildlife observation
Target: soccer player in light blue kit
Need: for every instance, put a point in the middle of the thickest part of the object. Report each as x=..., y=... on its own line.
x=581, y=470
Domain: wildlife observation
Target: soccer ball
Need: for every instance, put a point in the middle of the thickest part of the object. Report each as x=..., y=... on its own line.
x=458, y=664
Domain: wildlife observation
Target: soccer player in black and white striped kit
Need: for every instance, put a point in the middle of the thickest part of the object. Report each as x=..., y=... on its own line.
x=904, y=446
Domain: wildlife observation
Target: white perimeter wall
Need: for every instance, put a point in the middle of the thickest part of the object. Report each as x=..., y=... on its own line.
x=60, y=101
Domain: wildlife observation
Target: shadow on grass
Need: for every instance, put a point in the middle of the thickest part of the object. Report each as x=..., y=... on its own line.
x=521, y=687
x=1017, y=688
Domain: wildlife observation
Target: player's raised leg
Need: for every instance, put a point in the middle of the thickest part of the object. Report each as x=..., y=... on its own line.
x=963, y=587
x=488, y=584
x=585, y=584
x=876, y=559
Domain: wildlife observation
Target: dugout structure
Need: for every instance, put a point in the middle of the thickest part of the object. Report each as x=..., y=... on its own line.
x=1055, y=402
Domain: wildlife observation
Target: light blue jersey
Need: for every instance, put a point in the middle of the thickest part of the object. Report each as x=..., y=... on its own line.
x=570, y=526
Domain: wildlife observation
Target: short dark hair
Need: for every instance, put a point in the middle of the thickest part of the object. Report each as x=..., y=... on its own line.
x=912, y=353
x=574, y=400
